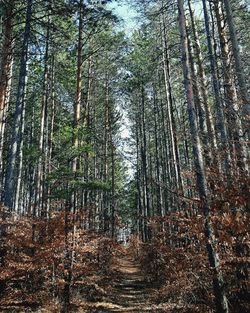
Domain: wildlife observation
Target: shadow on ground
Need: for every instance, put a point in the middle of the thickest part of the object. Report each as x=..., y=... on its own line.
x=129, y=293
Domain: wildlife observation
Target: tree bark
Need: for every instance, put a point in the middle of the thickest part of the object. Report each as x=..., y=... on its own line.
x=202, y=82
x=219, y=292
x=20, y=158
x=244, y=95
x=10, y=181
x=147, y=208
x=199, y=106
x=170, y=114
x=220, y=120
x=234, y=125
x=39, y=201
x=77, y=105
x=5, y=78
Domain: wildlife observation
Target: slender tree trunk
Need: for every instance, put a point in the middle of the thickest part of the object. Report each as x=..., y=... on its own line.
x=39, y=202
x=147, y=209
x=86, y=123
x=234, y=125
x=5, y=78
x=138, y=180
x=203, y=82
x=141, y=176
x=51, y=127
x=158, y=163
x=105, y=159
x=220, y=120
x=20, y=157
x=77, y=106
x=168, y=199
x=31, y=169
x=10, y=182
x=199, y=106
x=221, y=300
x=170, y=109
x=161, y=152
x=112, y=190
x=244, y=95
x=67, y=259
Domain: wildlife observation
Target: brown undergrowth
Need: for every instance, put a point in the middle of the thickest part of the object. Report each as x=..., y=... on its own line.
x=175, y=259
x=32, y=254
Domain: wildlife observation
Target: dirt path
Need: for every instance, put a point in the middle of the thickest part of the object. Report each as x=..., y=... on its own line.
x=129, y=291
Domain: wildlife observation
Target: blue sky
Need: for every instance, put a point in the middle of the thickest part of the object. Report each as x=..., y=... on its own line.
x=127, y=13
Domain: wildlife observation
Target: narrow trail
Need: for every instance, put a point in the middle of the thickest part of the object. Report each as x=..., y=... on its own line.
x=129, y=291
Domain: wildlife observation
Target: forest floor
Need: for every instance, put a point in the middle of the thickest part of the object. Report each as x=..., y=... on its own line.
x=129, y=291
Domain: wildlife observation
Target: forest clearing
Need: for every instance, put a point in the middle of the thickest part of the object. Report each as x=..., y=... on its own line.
x=124, y=156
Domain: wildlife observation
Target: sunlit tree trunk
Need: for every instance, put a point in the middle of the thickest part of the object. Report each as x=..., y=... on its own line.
x=52, y=113
x=234, y=125
x=10, y=182
x=202, y=81
x=5, y=77
x=87, y=125
x=147, y=207
x=140, y=221
x=243, y=92
x=170, y=109
x=159, y=204
x=220, y=120
x=67, y=259
x=78, y=97
x=199, y=105
x=113, y=200
x=106, y=199
x=41, y=168
x=219, y=292
x=19, y=174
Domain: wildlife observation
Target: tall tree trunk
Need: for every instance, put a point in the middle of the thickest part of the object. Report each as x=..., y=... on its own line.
x=138, y=179
x=147, y=208
x=112, y=204
x=170, y=109
x=244, y=95
x=20, y=157
x=67, y=259
x=77, y=117
x=234, y=126
x=105, y=159
x=168, y=198
x=39, y=202
x=220, y=120
x=158, y=162
x=86, y=123
x=202, y=81
x=51, y=126
x=77, y=105
x=199, y=106
x=221, y=299
x=5, y=78
x=10, y=181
